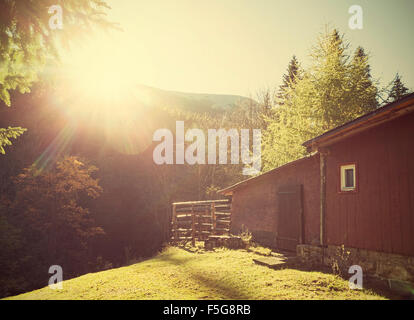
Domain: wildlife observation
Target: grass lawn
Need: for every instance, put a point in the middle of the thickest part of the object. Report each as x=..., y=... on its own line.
x=222, y=274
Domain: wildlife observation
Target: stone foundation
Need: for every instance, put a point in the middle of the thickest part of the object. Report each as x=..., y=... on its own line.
x=309, y=254
x=231, y=242
x=380, y=264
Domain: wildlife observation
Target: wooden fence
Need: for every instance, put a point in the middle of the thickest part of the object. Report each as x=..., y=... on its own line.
x=200, y=220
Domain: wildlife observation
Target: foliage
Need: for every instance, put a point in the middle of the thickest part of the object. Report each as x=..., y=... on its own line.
x=246, y=236
x=7, y=134
x=12, y=278
x=294, y=73
x=398, y=89
x=27, y=43
x=332, y=91
x=340, y=262
x=56, y=227
x=220, y=274
x=207, y=179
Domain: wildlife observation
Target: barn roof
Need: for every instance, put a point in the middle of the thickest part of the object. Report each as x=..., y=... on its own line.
x=384, y=114
x=229, y=190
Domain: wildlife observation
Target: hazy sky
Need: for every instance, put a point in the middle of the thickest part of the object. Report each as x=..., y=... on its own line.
x=242, y=46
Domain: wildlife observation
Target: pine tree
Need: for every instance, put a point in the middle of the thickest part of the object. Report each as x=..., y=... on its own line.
x=9, y=133
x=334, y=90
x=363, y=85
x=398, y=89
x=294, y=73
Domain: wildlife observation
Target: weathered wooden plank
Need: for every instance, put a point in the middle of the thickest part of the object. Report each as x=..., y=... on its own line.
x=220, y=237
x=183, y=215
x=193, y=227
x=213, y=218
x=174, y=219
x=226, y=206
x=182, y=222
x=181, y=238
x=205, y=216
x=188, y=209
x=182, y=230
x=223, y=221
x=207, y=202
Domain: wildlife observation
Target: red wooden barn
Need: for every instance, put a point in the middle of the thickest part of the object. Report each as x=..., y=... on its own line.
x=355, y=190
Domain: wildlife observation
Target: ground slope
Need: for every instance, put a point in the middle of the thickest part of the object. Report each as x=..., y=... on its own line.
x=222, y=274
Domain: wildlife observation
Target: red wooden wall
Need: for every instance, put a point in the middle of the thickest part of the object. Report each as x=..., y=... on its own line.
x=255, y=205
x=380, y=215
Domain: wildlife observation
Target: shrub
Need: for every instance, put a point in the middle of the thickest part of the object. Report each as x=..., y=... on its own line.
x=340, y=261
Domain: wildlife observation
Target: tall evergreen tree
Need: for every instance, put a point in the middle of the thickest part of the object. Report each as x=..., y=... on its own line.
x=294, y=73
x=363, y=87
x=334, y=90
x=398, y=89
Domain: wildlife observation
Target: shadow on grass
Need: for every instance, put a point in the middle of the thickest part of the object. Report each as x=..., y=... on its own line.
x=224, y=290
x=376, y=285
x=171, y=258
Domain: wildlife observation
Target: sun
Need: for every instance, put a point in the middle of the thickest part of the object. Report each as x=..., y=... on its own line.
x=100, y=81
x=99, y=70
x=99, y=90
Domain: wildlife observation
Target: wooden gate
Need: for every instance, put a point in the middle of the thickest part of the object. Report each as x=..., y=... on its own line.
x=200, y=220
x=289, y=217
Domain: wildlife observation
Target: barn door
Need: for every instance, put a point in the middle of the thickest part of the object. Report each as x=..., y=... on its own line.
x=289, y=217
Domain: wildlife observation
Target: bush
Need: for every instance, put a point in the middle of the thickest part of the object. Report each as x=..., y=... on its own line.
x=340, y=262
x=246, y=236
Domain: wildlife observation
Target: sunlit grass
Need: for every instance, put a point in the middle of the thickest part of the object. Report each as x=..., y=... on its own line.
x=222, y=274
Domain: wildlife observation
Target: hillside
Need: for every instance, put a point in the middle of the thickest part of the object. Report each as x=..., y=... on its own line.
x=222, y=274
x=195, y=102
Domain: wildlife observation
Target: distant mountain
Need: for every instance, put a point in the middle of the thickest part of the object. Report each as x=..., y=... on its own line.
x=196, y=102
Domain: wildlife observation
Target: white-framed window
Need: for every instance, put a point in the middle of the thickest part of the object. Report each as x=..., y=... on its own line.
x=348, y=177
